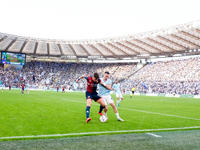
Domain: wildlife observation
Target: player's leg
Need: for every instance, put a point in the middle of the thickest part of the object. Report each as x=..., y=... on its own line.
x=121, y=98
x=102, y=103
x=116, y=111
x=117, y=99
x=87, y=111
x=107, y=99
x=106, y=107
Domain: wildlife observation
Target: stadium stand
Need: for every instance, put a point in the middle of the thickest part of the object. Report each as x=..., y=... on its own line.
x=177, y=76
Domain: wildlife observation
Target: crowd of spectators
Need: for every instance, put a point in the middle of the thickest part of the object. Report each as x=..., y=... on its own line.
x=175, y=76
x=52, y=75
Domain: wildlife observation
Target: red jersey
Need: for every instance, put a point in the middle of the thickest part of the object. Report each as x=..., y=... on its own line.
x=91, y=85
x=9, y=86
x=22, y=86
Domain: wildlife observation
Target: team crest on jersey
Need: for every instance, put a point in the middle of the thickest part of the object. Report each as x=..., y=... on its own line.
x=89, y=80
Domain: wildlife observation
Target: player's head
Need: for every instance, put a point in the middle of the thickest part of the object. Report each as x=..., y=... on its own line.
x=116, y=81
x=95, y=77
x=106, y=75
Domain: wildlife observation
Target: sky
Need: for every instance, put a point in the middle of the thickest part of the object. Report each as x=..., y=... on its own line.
x=92, y=19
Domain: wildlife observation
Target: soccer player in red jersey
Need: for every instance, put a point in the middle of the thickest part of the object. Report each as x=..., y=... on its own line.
x=63, y=90
x=9, y=87
x=91, y=93
x=57, y=88
x=22, y=88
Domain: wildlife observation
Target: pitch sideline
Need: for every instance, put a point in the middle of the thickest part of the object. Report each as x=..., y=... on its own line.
x=96, y=133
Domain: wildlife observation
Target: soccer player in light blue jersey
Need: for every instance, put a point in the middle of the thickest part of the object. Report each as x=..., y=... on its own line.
x=105, y=94
x=117, y=88
x=2, y=86
x=27, y=88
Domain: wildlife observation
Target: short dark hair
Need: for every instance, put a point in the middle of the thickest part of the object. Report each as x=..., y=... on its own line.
x=107, y=72
x=96, y=75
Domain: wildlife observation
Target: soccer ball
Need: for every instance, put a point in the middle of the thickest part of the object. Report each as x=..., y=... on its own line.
x=103, y=118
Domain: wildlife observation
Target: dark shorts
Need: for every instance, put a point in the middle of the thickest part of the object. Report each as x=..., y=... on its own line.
x=93, y=96
x=133, y=92
x=22, y=89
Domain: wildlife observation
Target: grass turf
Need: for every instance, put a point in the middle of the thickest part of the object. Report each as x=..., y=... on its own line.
x=46, y=113
x=176, y=140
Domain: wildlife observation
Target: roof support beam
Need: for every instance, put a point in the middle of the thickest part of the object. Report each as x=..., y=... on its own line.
x=127, y=47
x=152, y=40
x=192, y=36
x=127, y=55
x=3, y=38
x=11, y=43
x=107, y=49
x=184, y=40
x=171, y=41
x=84, y=49
x=35, y=49
x=48, y=49
x=60, y=48
x=73, y=49
x=129, y=42
x=97, y=50
x=24, y=44
x=139, y=41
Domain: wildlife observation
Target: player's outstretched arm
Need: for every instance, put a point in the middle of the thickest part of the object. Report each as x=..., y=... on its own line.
x=80, y=78
x=106, y=86
x=114, y=89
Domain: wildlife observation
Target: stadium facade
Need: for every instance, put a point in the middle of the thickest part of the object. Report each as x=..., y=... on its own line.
x=181, y=40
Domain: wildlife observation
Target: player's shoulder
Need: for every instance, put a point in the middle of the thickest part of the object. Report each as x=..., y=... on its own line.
x=89, y=76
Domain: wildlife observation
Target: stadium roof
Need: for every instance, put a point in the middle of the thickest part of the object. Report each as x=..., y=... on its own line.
x=178, y=40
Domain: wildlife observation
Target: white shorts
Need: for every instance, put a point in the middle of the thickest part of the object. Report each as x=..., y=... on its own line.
x=119, y=95
x=107, y=99
x=27, y=88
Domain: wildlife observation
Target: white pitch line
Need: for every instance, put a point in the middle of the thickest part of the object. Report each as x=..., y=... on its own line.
x=96, y=133
x=149, y=112
x=155, y=135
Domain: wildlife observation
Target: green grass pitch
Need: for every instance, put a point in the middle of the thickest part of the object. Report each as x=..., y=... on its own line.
x=49, y=113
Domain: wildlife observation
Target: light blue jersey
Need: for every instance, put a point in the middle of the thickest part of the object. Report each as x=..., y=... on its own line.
x=27, y=85
x=75, y=85
x=102, y=89
x=117, y=88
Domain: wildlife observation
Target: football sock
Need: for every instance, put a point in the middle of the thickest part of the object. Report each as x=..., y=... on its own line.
x=119, y=101
x=105, y=114
x=101, y=108
x=117, y=114
x=87, y=111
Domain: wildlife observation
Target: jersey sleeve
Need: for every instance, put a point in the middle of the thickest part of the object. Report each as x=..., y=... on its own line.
x=86, y=77
x=99, y=80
